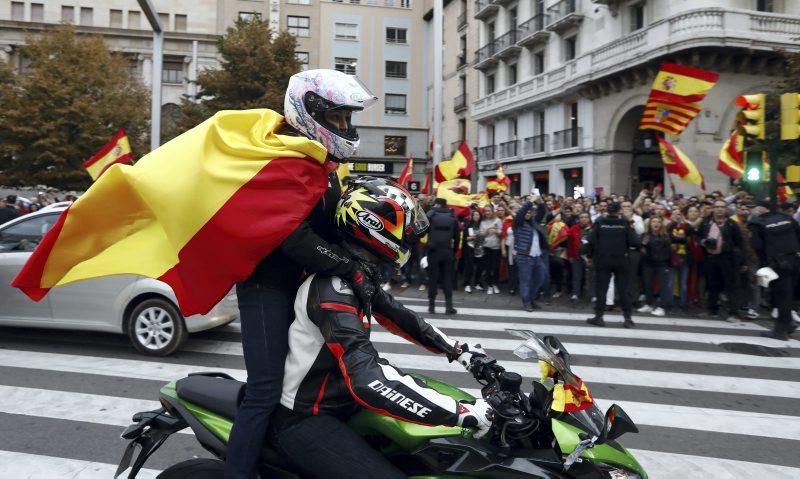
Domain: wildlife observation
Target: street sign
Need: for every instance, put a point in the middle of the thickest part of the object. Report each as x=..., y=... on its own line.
x=413, y=186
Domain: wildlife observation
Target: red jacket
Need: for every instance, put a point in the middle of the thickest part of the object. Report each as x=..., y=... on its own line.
x=574, y=241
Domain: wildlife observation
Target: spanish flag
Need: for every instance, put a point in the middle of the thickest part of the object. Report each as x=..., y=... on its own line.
x=456, y=193
x=675, y=97
x=677, y=163
x=408, y=172
x=499, y=183
x=568, y=398
x=731, y=159
x=459, y=166
x=197, y=213
x=118, y=150
x=557, y=233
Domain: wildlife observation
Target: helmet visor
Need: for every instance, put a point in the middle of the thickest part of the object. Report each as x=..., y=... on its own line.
x=360, y=96
x=420, y=225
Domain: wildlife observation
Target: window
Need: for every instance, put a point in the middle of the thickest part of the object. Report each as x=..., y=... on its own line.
x=572, y=109
x=345, y=65
x=163, y=18
x=172, y=72
x=512, y=74
x=512, y=19
x=512, y=129
x=67, y=14
x=37, y=12
x=115, y=19
x=302, y=57
x=637, y=16
x=462, y=128
x=395, y=104
x=490, y=83
x=570, y=47
x=405, y=3
x=539, y=9
x=345, y=31
x=18, y=11
x=489, y=32
x=87, y=16
x=765, y=5
x=25, y=235
x=133, y=19
x=394, y=145
x=300, y=2
x=538, y=63
x=249, y=16
x=396, y=35
x=539, y=116
x=396, y=69
x=298, y=26
x=180, y=23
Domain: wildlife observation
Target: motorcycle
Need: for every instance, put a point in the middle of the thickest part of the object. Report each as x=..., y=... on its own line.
x=554, y=431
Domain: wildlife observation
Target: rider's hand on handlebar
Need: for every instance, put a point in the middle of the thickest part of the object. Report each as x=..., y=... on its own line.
x=466, y=352
x=363, y=287
x=478, y=415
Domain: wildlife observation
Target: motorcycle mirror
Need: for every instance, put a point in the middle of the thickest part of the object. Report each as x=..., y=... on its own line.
x=617, y=423
x=558, y=348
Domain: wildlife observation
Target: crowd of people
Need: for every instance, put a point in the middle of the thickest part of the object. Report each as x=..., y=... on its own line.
x=694, y=254
x=13, y=206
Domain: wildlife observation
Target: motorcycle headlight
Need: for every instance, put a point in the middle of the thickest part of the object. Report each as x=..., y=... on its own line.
x=616, y=473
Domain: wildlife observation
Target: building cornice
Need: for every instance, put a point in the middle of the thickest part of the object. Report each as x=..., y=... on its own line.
x=122, y=33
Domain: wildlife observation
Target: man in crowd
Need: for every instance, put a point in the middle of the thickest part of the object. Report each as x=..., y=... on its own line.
x=8, y=209
x=442, y=240
x=611, y=239
x=531, y=248
x=776, y=241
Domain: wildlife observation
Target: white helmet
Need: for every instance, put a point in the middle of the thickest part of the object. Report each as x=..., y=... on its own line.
x=313, y=92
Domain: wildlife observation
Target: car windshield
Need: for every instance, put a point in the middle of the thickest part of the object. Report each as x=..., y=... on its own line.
x=533, y=347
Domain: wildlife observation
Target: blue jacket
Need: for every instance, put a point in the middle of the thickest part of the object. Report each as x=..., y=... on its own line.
x=524, y=230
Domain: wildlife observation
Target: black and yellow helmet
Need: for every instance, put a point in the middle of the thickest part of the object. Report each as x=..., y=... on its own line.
x=381, y=216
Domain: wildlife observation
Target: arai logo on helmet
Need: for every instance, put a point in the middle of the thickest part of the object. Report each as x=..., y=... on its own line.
x=369, y=220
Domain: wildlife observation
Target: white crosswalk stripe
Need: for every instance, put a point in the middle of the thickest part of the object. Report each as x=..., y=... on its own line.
x=665, y=370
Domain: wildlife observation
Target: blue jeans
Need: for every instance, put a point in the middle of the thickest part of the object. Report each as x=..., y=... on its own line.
x=266, y=313
x=665, y=278
x=532, y=273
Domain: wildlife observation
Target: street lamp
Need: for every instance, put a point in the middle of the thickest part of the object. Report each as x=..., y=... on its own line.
x=158, y=52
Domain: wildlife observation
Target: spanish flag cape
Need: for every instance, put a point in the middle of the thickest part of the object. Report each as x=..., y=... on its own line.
x=197, y=213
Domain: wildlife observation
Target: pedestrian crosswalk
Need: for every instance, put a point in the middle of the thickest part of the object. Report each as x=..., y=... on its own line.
x=703, y=410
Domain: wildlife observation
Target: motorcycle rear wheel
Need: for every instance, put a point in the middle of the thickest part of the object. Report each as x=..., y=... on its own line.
x=198, y=468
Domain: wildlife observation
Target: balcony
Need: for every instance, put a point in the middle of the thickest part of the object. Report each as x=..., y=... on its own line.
x=509, y=149
x=462, y=20
x=461, y=60
x=532, y=31
x=688, y=30
x=485, y=9
x=534, y=145
x=564, y=139
x=506, y=45
x=486, y=153
x=485, y=57
x=460, y=103
x=564, y=15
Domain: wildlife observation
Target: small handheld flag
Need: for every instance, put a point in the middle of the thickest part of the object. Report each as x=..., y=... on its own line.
x=118, y=150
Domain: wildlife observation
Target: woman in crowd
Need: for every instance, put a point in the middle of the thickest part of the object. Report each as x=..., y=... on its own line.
x=656, y=265
x=472, y=252
x=489, y=230
x=680, y=234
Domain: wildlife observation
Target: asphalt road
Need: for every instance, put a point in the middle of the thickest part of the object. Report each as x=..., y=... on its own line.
x=703, y=409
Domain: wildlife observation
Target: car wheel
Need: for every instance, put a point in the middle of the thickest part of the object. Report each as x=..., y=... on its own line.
x=156, y=327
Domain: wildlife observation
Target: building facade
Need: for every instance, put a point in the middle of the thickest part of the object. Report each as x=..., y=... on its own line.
x=562, y=84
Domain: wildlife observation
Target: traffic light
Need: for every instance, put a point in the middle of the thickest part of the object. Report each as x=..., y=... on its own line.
x=754, y=167
x=752, y=115
x=790, y=116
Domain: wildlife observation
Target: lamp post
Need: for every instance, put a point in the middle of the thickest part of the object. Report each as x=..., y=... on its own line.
x=438, y=6
x=158, y=53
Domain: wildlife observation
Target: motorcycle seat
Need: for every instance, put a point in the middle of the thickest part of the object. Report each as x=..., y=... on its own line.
x=219, y=395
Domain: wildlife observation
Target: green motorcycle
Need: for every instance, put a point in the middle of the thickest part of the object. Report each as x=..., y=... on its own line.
x=532, y=435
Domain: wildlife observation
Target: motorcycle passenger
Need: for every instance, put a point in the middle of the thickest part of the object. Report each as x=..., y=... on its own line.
x=318, y=105
x=333, y=369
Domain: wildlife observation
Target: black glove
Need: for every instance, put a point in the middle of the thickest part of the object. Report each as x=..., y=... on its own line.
x=363, y=287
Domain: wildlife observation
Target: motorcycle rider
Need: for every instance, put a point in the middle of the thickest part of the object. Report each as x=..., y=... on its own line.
x=319, y=105
x=333, y=370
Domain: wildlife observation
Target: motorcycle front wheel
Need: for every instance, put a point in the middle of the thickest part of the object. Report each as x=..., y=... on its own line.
x=200, y=468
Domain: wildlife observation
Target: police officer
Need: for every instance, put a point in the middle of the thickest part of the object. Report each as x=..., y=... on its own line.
x=442, y=238
x=776, y=241
x=611, y=239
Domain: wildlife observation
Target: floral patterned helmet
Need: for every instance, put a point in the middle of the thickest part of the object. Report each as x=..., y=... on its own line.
x=313, y=92
x=381, y=216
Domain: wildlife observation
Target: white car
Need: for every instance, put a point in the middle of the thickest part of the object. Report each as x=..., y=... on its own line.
x=142, y=308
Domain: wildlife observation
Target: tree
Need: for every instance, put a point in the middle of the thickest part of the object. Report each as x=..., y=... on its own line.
x=254, y=73
x=72, y=97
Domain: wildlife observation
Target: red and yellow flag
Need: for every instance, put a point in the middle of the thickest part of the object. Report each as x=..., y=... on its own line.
x=459, y=166
x=198, y=213
x=731, y=159
x=426, y=186
x=677, y=163
x=557, y=233
x=568, y=398
x=500, y=183
x=408, y=172
x=456, y=193
x=118, y=150
x=675, y=97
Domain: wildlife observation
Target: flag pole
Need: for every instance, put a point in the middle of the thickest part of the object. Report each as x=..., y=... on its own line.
x=438, y=6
